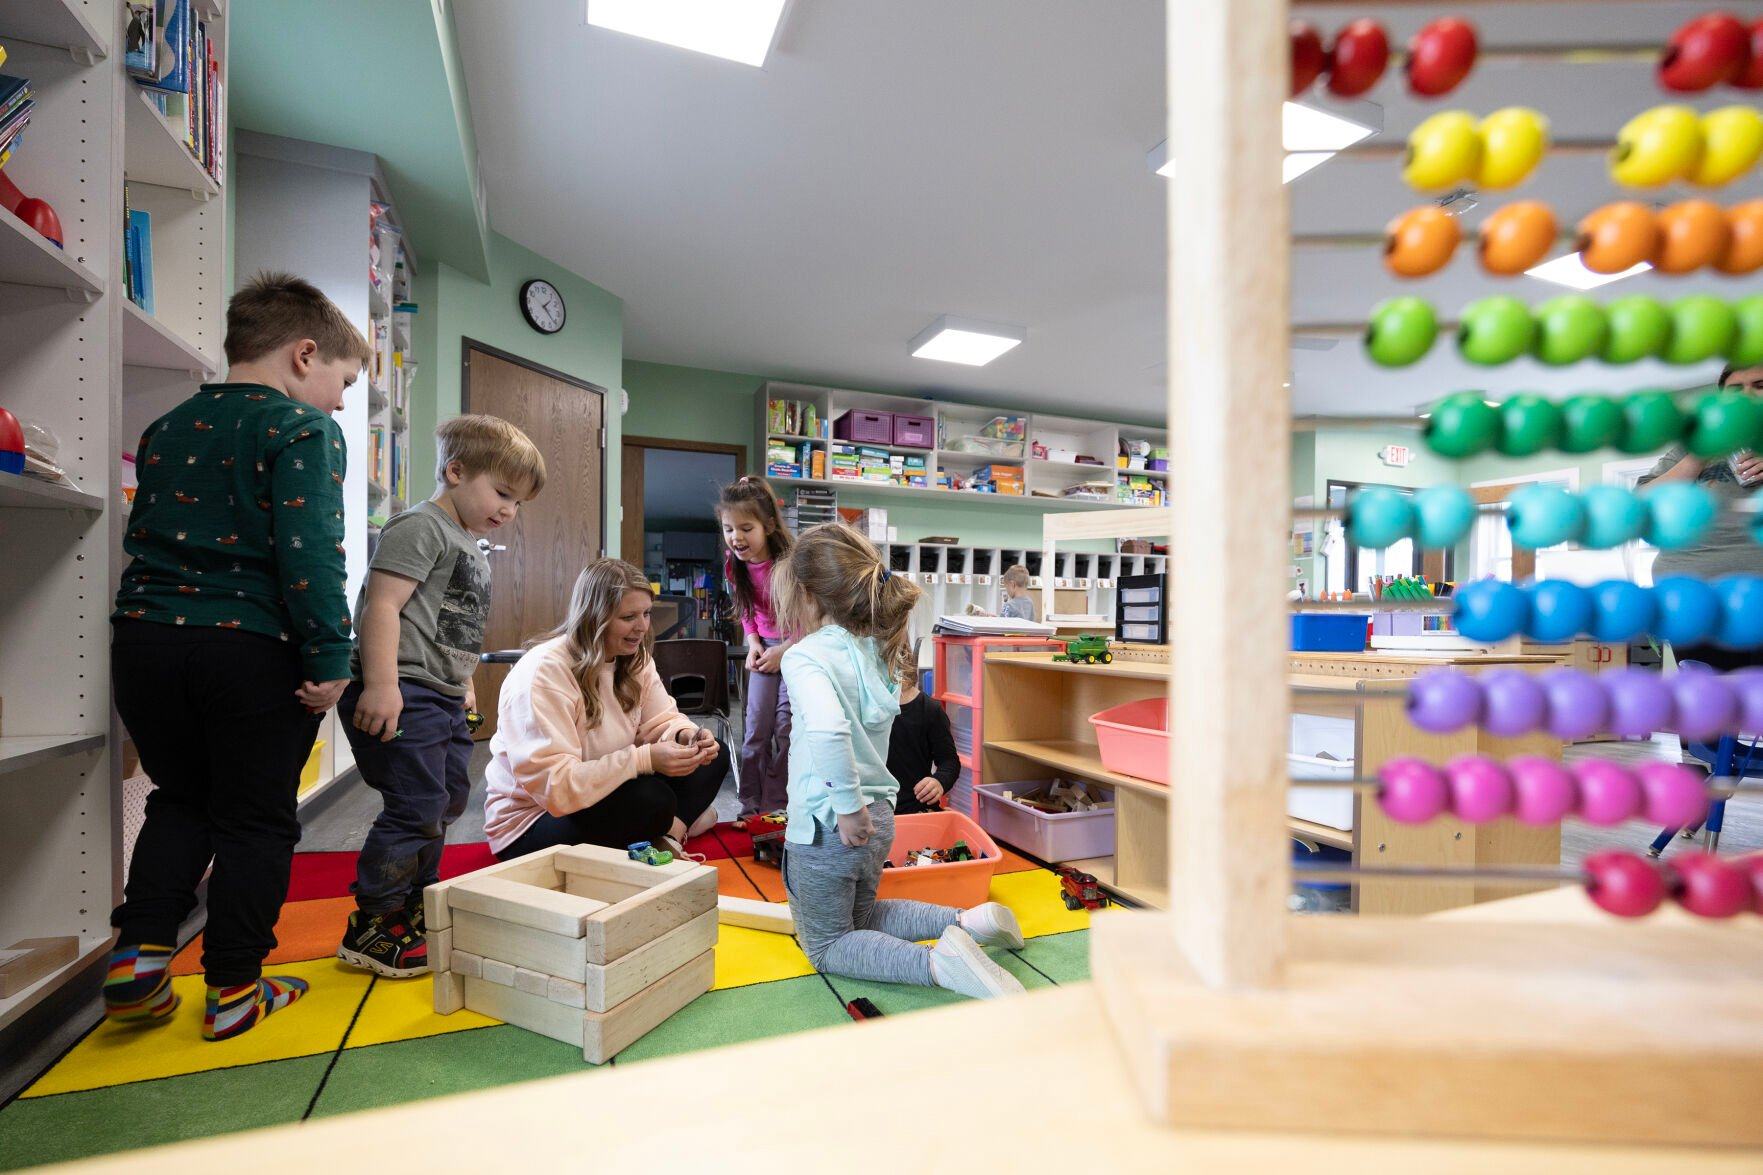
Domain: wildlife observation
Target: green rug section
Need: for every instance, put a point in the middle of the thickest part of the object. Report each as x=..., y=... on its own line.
x=435, y=1066
x=148, y=1113
x=739, y=1014
x=1063, y=958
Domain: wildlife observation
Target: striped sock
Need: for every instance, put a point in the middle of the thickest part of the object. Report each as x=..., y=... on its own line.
x=138, y=985
x=232, y=1010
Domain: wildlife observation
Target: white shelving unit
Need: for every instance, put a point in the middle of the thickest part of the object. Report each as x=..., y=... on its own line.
x=88, y=365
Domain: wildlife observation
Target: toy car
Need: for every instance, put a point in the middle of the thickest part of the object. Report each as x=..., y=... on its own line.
x=1086, y=650
x=1081, y=891
x=768, y=847
x=648, y=854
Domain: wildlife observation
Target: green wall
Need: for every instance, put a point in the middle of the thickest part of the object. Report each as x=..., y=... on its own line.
x=691, y=404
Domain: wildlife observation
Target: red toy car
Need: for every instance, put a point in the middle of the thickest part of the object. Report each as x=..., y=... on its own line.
x=1081, y=891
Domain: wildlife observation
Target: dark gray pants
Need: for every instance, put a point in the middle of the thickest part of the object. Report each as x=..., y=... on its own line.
x=764, y=784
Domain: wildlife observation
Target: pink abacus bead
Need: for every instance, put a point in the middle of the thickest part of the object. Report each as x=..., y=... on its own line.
x=1623, y=884
x=1544, y=792
x=1412, y=791
x=1710, y=886
x=1480, y=789
x=1753, y=867
x=1608, y=794
x=1676, y=796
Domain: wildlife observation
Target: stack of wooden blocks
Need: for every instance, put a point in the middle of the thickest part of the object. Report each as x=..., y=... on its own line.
x=580, y=944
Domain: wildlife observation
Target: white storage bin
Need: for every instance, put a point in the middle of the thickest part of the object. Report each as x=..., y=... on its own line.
x=1322, y=748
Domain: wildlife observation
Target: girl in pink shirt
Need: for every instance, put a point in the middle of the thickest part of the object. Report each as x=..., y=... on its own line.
x=753, y=527
x=590, y=747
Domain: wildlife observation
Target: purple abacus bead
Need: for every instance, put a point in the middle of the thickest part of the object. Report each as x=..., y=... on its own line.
x=1640, y=702
x=1443, y=700
x=1608, y=793
x=1412, y=791
x=1543, y=790
x=1513, y=702
x=1676, y=796
x=1748, y=685
x=1480, y=789
x=1578, y=705
x=1706, y=705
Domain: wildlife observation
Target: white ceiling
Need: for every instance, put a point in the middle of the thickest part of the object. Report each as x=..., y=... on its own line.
x=903, y=159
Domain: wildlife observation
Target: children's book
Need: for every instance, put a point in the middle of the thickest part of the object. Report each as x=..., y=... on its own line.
x=171, y=20
x=141, y=40
x=142, y=223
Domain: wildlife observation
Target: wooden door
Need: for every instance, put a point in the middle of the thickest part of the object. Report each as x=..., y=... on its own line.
x=631, y=501
x=562, y=529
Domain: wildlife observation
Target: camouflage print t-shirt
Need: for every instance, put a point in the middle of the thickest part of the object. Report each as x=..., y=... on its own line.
x=441, y=629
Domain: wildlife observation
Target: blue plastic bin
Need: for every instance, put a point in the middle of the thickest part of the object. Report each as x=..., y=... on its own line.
x=1316, y=632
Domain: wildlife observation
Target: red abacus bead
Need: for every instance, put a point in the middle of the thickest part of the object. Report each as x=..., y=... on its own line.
x=1753, y=867
x=1412, y=791
x=1676, y=796
x=1710, y=886
x=1608, y=794
x=1480, y=789
x=1544, y=791
x=1623, y=884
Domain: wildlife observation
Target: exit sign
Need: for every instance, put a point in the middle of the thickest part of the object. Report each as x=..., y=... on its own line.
x=1395, y=455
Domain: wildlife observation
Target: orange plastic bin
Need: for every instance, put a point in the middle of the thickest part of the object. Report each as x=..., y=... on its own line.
x=1134, y=739
x=959, y=883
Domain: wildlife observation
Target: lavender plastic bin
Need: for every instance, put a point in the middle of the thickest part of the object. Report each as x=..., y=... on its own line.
x=874, y=428
x=1067, y=836
x=917, y=431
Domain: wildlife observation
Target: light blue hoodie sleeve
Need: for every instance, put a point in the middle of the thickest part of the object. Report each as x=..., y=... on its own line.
x=820, y=724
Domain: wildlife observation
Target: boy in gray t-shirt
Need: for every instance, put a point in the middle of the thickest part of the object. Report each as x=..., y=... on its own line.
x=419, y=626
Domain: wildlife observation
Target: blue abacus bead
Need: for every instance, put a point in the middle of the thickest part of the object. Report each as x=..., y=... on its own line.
x=1620, y=611
x=1490, y=610
x=1443, y=700
x=1379, y=517
x=1640, y=702
x=1613, y=516
x=1578, y=706
x=1688, y=610
x=1678, y=515
x=1559, y=611
x=1544, y=515
x=1443, y=515
x=1707, y=707
x=1741, y=611
x=1513, y=703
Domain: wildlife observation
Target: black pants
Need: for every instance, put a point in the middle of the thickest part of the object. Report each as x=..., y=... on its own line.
x=213, y=714
x=643, y=808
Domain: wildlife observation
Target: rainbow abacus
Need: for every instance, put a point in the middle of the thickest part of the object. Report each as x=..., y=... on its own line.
x=1716, y=424
x=1727, y=611
x=1671, y=516
x=1571, y=704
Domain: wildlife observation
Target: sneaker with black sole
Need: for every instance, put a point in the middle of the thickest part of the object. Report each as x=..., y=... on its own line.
x=386, y=944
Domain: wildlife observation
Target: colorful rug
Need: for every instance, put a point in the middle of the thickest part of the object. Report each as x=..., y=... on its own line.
x=357, y=1041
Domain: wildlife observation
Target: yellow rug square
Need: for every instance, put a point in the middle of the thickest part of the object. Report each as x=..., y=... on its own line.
x=1034, y=898
x=404, y=1009
x=116, y=1053
x=745, y=957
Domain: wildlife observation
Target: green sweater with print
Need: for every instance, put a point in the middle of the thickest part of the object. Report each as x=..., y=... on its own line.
x=238, y=523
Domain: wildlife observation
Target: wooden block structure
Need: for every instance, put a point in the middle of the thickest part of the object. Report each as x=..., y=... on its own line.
x=581, y=944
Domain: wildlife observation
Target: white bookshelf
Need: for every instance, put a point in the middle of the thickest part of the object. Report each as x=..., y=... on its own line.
x=87, y=364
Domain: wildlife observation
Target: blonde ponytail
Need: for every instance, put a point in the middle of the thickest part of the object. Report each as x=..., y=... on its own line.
x=835, y=575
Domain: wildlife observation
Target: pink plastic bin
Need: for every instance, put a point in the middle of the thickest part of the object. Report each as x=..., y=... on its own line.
x=920, y=432
x=1134, y=739
x=960, y=883
x=873, y=428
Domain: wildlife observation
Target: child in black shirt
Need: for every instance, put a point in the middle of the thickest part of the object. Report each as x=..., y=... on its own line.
x=921, y=754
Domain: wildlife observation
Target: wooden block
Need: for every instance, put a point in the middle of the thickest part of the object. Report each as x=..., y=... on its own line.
x=531, y=982
x=598, y=888
x=466, y=963
x=616, y=865
x=440, y=943
x=525, y=905
x=490, y=938
x=449, y=992
x=534, y=870
x=566, y=991
x=29, y=959
x=618, y=930
x=531, y=1012
x=436, y=914
x=606, y=1034
x=497, y=972
x=772, y=916
x=619, y=980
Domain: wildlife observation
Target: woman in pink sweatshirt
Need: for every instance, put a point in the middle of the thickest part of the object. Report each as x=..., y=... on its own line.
x=589, y=746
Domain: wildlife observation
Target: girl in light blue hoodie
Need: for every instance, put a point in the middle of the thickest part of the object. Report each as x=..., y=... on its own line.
x=849, y=613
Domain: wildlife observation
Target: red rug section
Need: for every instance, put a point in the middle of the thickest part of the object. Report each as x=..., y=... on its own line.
x=329, y=875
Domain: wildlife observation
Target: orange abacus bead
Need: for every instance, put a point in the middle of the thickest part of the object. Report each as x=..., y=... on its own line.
x=1517, y=237
x=1692, y=234
x=1420, y=241
x=1744, y=249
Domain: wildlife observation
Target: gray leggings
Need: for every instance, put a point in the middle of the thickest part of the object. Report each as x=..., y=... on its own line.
x=841, y=926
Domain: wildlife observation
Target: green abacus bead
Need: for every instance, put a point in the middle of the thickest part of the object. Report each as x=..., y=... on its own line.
x=1462, y=425
x=1528, y=424
x=1721, y=422
x=1379, y=517
x=1650, y=420
x=1590, y=423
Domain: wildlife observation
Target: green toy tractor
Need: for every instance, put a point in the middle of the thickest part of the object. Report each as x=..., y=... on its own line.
x=1086, y=650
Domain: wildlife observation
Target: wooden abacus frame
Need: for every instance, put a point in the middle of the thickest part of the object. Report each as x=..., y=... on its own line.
x=1233, y=1013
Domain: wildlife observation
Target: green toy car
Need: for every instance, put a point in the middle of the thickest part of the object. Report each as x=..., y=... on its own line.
x=648, y=854
x=1086, y=650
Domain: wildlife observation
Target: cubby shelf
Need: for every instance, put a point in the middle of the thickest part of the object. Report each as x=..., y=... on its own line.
x=153, y=152
x=148, y=342
x=26, y=493
x=18, y=751
x=15, y=1006
x=858, y=485
x=27, y=259
x=57, y=23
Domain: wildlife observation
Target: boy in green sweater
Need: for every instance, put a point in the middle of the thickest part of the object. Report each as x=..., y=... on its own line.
x=230, y=641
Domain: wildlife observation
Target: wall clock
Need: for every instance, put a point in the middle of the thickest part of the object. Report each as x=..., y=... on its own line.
x=542, y=306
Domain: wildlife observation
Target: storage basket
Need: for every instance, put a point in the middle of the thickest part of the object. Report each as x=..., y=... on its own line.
x=958, y=883
x=917, y=431
x=1314, y=632
x=1061, y=836
x=987, y=447
x=872, y=428
x=1134, y=739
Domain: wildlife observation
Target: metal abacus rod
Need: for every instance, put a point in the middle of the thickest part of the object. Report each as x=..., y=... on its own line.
x=1498, y=875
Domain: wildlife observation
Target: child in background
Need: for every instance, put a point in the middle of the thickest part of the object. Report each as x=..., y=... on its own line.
x=420, y=621
x=848, y=614
x=1018, y=605
x=231, y=639
x=753, y=527
x=921, y=753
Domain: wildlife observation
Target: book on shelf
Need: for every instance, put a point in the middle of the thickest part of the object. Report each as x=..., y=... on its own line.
x=180, y=72
x=17, y=100
x=138, y=256
x=792, y=418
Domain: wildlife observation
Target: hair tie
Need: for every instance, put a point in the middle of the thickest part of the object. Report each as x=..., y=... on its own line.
x=886, y=574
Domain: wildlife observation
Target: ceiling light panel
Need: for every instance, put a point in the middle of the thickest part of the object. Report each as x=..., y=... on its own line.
x=965, y=340
x=738, y=30
x=1570, y=271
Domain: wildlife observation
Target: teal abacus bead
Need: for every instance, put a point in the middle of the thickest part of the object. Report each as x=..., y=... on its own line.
x=1443, y=515
x=1650, y=420
x=1462, y=425
x=1721, y=422
x=1529, y=424
x=1544, y=515
x=1590, y=422
x=1678, y=515
x=1613, y=516
x=1379, y=517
